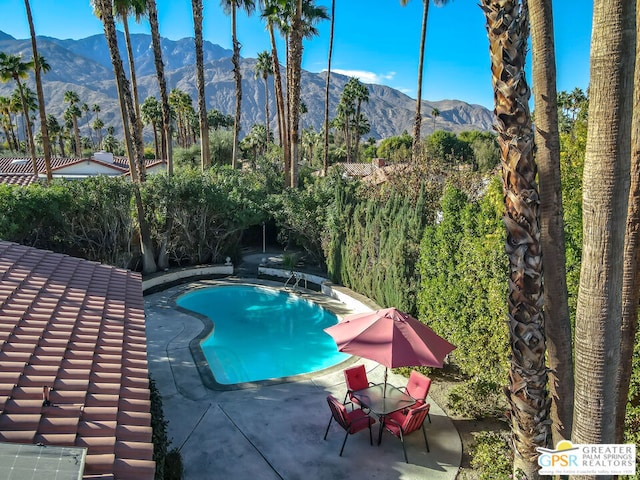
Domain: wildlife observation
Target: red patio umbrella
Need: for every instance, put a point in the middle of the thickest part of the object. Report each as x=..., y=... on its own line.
x=391, y=338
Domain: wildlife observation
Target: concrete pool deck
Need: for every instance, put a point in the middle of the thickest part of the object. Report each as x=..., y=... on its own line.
x=275, y=431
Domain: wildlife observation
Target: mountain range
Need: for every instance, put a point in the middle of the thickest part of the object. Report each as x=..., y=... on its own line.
x=84, y=66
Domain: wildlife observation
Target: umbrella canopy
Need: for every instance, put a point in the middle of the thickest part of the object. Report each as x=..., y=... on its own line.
x=391, y=338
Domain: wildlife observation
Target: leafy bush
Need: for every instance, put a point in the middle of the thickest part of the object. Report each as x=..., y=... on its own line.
x=159, y=428
x=492, y=457
x=221, y=147
x=463, y=282
x=208, y=212
x=35, y=215
x=477, y=398
x=371, y=241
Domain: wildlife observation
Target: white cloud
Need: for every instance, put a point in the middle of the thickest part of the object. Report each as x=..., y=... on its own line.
x=367, y=77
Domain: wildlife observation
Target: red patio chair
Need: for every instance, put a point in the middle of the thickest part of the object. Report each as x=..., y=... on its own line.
x=356, y=379
x=402, y=424
x=352, y=422
x=418, y=387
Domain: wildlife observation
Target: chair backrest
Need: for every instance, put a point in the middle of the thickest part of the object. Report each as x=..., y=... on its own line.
x=356, y=378
x=339, y=411
x=415, y=418
x=418, y=385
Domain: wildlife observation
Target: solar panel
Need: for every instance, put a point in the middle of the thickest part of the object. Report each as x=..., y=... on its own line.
x=35, y=462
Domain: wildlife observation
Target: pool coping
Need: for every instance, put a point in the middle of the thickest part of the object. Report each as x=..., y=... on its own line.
x=191, y=280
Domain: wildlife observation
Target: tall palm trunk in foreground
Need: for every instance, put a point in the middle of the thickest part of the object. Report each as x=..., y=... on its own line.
x=205, y=158
x=135, y=150
x=325, y=163
x=604, y=212
x=46, y=144
x=631, y=275
x=167, y=126
x=556, y=305
x=293, y=89
x=507, y=26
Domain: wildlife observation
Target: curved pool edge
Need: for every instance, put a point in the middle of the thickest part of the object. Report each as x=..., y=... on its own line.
x=193, y=282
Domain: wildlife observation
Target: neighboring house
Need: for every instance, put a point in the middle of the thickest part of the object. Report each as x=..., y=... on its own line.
x=73, y=368
x=102, y=163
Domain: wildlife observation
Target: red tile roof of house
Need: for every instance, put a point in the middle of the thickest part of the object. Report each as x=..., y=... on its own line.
x=77, y=327
x=21, y=179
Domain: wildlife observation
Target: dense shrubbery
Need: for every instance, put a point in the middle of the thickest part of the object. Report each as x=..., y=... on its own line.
x=371, y=242
x=463, y=282
x=93, y=218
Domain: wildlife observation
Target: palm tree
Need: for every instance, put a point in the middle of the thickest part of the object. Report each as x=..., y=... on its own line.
x=305, y=16
x=230, y=7
x=56, y=131
x=360, y=94
x=547, y=138
x=133, y=140
x=13, y=68
x=325, y=164
x=40, y=66
x=507, y=27
x=121, y=11
x=631, y=275
x=167, y=127
x=7, y=123
x=264, y=68
x=435, y=113
x=205, y=158
x=74, y=113
x=151, y=112
x=271, y=12
x=97, y=124
x=605, y=197
x=417, y=124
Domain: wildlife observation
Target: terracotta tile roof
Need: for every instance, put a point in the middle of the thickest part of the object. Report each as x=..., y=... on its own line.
x=78, y=327
x=21, y=179
x=357, y=169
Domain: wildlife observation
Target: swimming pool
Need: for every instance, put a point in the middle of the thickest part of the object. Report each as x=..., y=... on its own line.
x=260, y=333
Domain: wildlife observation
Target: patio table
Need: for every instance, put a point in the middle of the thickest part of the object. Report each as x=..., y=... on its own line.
x=382, y=403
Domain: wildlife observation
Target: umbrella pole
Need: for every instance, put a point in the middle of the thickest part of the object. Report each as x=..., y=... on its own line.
x=384, y=392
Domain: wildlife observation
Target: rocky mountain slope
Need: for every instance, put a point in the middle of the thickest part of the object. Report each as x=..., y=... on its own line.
x=84, y=66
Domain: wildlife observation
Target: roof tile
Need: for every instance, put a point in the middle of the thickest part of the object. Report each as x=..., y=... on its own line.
x=76, y=326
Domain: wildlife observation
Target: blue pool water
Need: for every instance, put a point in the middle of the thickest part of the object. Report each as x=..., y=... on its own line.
x=261, y=334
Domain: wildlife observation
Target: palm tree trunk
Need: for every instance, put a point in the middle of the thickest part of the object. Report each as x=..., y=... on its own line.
x=76, y=136
x=134, y=143
x=205, y=158
x=325, y=164
x=134, y=83
x=417, y=123
x=605, y=199
x=556, y=305
x=46, y=145
x=132, y=68
x=27, y=123
x=295, y=51
x=631, y=274
x=167, y=128
x=266, y=104
x=156, y=144
x=282, y=118
x=507, y=26
x=237, y=74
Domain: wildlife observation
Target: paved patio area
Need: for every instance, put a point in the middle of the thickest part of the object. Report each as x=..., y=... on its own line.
x=276, y=431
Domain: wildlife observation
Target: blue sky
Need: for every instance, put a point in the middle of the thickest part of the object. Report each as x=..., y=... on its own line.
x=375, y=40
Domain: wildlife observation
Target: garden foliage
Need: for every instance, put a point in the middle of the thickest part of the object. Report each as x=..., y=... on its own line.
x=371, y=242
x=463, y=281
